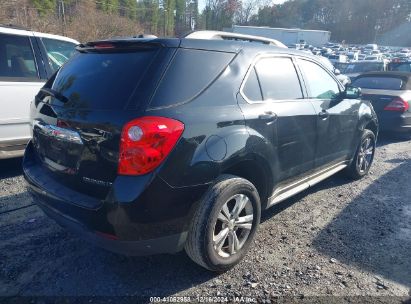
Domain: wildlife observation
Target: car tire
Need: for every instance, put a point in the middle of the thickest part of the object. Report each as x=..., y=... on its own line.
x=220, y=234
x=364, y=156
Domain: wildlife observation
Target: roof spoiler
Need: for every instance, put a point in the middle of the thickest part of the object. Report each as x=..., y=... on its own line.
x=217, y=35
x=118, y=45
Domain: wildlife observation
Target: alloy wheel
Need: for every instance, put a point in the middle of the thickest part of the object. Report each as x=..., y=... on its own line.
x=365, y=154
x=233, y=225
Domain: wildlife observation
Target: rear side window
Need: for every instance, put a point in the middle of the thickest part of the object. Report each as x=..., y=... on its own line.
x=190, y=72
x=251, y=87
x=278, y=79
x=379, y=83
x=16, y=58
x=102, y=80
x=58, y=52
x=321, y=85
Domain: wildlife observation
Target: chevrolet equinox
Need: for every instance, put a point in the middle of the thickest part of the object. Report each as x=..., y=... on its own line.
x=148, y=146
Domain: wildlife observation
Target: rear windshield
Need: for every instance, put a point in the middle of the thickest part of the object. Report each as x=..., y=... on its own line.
x=379, y=83
x=102, y=80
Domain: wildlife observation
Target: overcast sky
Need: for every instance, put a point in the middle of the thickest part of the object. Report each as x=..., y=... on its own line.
x=201, y=3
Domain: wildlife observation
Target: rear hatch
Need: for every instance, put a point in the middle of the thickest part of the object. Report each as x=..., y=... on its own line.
x=78, y=116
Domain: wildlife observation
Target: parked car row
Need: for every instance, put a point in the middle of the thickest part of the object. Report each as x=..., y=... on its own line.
x=353, y=60
x=350, y=53
x=383, y=76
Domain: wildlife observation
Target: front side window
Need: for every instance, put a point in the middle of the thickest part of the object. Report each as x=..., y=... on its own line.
x=278, y=79
x=321, y=85
x=16, y=57
x=58, y=52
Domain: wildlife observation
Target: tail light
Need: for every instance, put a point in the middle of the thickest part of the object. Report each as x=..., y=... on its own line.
x=398, y=105
x=103, y=45
x=146, y=142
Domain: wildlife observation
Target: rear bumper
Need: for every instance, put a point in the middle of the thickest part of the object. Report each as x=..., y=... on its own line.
x=167, y=244
x=141, y=215
x=395, y=122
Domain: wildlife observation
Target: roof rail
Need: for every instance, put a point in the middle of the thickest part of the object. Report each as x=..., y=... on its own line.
x=217, y=35
x=16, y=27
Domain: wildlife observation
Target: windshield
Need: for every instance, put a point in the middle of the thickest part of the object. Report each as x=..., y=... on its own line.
x=58, y=52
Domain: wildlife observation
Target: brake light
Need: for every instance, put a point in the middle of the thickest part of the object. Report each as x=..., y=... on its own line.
x=146, y=142
x=398, y=105
x=103, y=46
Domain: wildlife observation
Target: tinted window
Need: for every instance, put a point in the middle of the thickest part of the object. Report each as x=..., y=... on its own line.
x=321, y=85
x=402, y=67
x=190, y=72
x=363, y=67
x=251, y=87
x=278, y=79
x=16, y=57
x=102, y=80
x=58, y=52
x=382, y=83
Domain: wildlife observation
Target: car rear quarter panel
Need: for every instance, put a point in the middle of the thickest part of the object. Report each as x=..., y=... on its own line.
x=215, y=135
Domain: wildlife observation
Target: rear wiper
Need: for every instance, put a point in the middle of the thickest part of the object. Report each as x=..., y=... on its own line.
x=55, y=94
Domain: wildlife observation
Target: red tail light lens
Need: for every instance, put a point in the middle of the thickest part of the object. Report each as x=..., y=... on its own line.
x=103, y=45
x=398, y=105
x=146, y=142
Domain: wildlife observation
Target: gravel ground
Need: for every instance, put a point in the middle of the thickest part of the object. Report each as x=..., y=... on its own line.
x=339, y=239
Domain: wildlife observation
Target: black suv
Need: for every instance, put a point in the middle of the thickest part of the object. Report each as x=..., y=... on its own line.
x=155, y=145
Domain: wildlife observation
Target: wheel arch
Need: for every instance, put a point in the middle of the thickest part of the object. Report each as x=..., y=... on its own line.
x=257, y=173
x=372, y=126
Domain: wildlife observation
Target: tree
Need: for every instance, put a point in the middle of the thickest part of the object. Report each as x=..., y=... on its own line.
x=154, y=16
x=44, y=6
x=169, y=17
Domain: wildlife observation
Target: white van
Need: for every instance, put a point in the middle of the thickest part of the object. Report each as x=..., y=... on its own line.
x=27, y=60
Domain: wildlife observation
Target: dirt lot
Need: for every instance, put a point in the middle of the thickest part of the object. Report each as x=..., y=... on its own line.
x=340, y=238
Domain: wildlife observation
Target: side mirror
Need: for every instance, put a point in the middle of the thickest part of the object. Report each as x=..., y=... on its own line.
x=337, y=72
x=352, y=92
